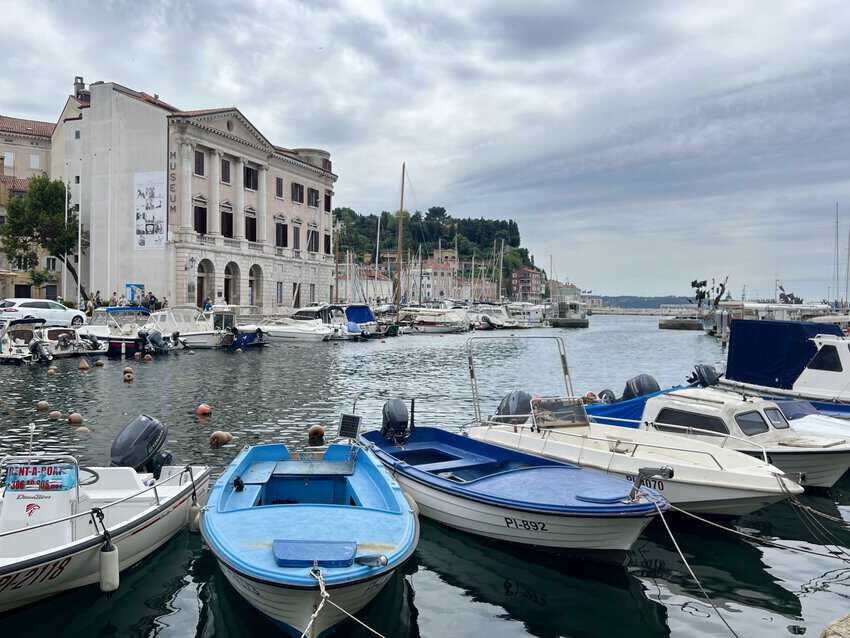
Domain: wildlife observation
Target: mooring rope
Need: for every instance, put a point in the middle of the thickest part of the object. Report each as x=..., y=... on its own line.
x=326, y=597
x=691, y=571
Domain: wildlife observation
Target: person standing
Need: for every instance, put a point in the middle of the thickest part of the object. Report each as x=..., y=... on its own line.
x=98, y=302
x=113, y=301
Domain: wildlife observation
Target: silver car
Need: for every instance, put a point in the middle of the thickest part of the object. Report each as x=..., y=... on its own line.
x=53, y=313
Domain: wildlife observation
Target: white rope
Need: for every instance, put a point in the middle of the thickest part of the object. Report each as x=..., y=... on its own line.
x=691, y=571
x=326, y=597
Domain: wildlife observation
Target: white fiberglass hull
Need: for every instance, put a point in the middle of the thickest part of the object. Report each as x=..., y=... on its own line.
x=25, y=581
x=818, y=468
x=287, y=334
x=701, y=490
x=292, y=607
x=525, y=527
x=439, y=329
x=202, y=340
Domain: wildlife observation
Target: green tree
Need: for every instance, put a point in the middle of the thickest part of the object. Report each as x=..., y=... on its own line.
x=35, y=224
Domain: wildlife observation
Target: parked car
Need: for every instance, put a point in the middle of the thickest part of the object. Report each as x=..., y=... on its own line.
x=53, y=313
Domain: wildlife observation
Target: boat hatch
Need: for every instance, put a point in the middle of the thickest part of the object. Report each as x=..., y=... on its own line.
x=300, y=553
x=424, y=456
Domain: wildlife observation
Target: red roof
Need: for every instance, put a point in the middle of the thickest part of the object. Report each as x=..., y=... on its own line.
x=26, y=127
x=204, y=111
x=18, y=184
x=154, y=99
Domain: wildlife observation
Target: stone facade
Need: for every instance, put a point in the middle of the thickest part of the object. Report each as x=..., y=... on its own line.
x=187, y=203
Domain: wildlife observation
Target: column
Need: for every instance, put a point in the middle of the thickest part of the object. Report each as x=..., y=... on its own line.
x=239, y=199
x=188, y=153
x=214, y=210
x=262, y=204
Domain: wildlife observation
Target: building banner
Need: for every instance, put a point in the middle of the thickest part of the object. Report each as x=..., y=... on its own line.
x=150, y=210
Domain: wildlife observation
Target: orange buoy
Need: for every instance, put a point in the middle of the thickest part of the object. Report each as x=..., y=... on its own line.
x=55, y=415
x=148, y=358
x=219, y=438
x=99, y=363
x=41, y=406
x=316, y=435
x=51, y=371
x=83, y=429
x=128, y=377
x=84, y=365
x=203, y=410
x=137, y=356
x=75, y=418
x=128, y=370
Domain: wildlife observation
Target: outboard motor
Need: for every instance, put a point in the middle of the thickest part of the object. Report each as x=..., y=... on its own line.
x=39, y=352
x=639, y=386
x=155, y=341
x=64, y=340
x=704, y=375
x=138, y=446
x=396, y=426
x=607, y=396
x=514, y=408
x=93, y=340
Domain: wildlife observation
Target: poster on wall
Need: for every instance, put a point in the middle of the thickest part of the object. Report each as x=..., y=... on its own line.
x=150, y=205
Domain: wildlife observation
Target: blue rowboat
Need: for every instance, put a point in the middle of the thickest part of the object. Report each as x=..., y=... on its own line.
x=512, y=496
x=285, y=529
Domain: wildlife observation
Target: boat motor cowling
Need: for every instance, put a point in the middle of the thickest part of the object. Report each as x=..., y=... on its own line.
x=155, y=341
x=514, y=408
x=704, y=375
x=396, y=425
x=138, y=445
x=639, y=386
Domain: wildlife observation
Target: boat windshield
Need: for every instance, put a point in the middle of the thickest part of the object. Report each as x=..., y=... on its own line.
x=223, y=320
x=556, y=412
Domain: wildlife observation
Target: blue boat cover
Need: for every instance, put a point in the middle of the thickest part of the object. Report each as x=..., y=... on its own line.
x=359, y=314
x=772, y=353
x=631, y=409
x=307, y=553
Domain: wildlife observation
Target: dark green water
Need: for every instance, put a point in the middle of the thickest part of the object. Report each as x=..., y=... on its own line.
x=455, y=585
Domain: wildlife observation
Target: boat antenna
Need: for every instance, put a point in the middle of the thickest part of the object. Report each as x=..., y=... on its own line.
x=400, y=243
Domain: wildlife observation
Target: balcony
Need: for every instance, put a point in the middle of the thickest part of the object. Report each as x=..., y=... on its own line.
x=233, y=243
x=296, y=253
x=280, y=251
x=207, y=240
x=255, y=246
x=313, y=256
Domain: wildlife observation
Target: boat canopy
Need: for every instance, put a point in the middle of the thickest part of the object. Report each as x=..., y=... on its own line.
x=126, y=309
x=772, y=353
x=359, y=314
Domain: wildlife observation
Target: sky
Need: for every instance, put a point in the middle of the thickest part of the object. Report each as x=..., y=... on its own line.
x=639, y=145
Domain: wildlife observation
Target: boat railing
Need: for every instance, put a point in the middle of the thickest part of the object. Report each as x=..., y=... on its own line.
x=91, y=512
x=685, y=429
x=610, y=441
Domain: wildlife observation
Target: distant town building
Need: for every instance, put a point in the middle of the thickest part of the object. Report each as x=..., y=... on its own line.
x=560, y=291
x=191, y=204
x=438, y=281
x=15, y=281
x=528, y=284
x=443, y=255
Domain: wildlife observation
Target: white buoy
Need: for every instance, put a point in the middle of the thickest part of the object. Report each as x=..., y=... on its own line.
x=195, y=518
x=109, y=570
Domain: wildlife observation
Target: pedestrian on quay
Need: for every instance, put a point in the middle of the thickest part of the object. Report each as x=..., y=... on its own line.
x=98, y=302
x=122, y=300
x=163, y=303
x=207, y=305
x=113, y=301
x=89, y=307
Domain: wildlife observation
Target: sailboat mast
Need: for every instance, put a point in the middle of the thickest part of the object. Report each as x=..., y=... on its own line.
x=400, y=239
x=501, y=259
x=377, y=252
x=836, y=255
x=336, y=228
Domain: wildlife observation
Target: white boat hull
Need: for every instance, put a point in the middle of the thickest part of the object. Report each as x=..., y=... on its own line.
x=201, y=340
x=292, y=608
x=692, y=489
x=278, y=334
x=820, y=468
x=436, y=329
x=78, y=567
x=525, y=527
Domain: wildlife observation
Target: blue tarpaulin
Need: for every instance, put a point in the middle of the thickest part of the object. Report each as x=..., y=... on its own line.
x=630, y=409
x=359, y=314
x=772, y=353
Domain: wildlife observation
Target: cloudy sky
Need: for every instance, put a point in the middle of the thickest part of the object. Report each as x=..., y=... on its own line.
x=641, y=144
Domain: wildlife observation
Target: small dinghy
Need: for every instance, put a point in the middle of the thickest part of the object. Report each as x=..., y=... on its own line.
x=300, y=537
x=508, y=495
x=63, y=525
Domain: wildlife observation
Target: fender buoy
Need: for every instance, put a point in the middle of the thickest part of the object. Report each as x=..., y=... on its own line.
x=195, y=518
x=55, y=415
x=41, y=406
x=75, y=418
x=109, y=571
x=203, y=410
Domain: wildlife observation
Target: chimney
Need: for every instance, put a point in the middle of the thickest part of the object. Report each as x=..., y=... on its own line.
x=80, y=91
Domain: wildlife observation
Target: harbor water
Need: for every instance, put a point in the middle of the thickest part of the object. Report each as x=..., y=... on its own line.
x=455, y=585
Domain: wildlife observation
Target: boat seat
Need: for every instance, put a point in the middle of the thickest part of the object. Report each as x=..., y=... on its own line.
x=313, y=468
x=301, y=553
x=259, y=472
x=472, y=460
x=248, y=497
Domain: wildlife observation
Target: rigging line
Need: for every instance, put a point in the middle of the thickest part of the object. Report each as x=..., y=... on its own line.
x=691, y=571
x=754, y=538
x=316, y=573
x=811, y=524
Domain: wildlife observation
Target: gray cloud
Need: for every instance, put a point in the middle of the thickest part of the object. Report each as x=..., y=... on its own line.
x=640, y=144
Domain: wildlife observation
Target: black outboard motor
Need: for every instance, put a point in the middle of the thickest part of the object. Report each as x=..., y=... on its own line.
x=93, y=341
x=514, y=408
x=138, y=446
x=639, y=386
x=705, y=375
x=396, y=426
x=39, y=352
x=155, y=341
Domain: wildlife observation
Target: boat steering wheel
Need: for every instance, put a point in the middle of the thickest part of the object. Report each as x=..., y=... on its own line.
x=95, y=477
